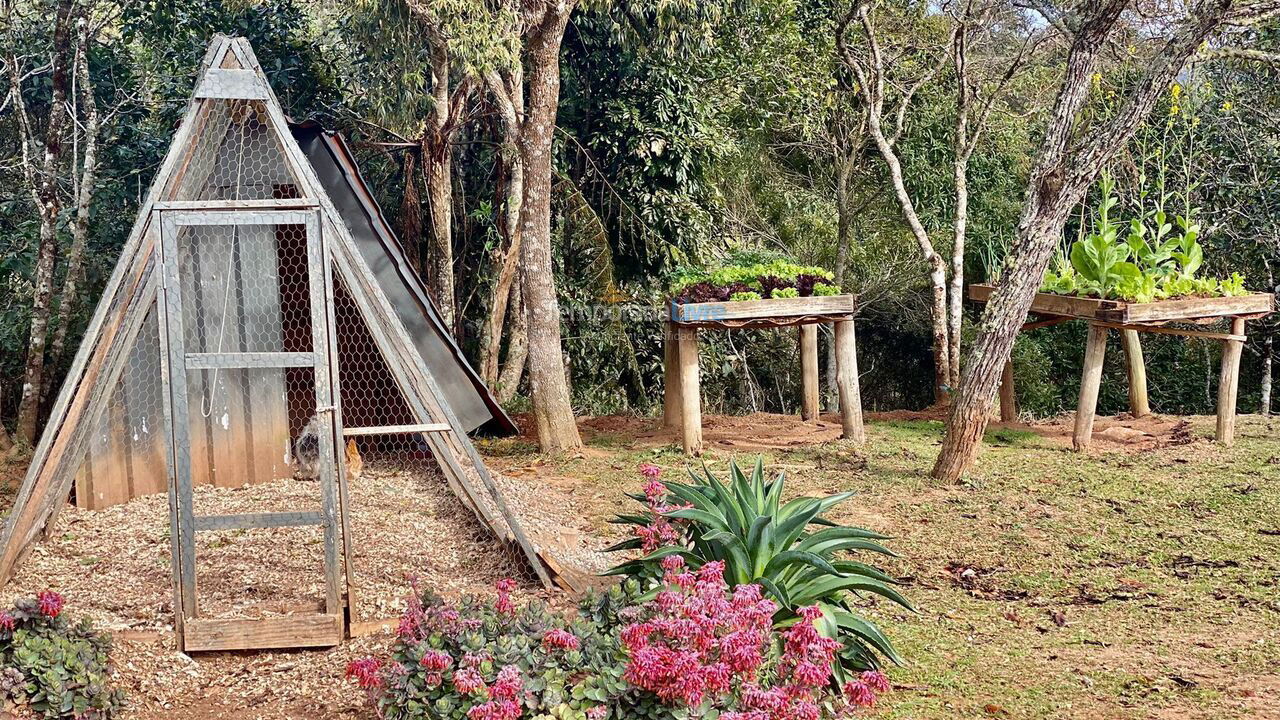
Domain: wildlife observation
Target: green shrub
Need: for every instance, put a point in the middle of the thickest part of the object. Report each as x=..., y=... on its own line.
x=825, y=289
x=760, y=540
x=786, y=293
x=53, y=668
x=744, y=296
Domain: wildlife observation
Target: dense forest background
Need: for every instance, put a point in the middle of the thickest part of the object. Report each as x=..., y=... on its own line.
x=676, y=144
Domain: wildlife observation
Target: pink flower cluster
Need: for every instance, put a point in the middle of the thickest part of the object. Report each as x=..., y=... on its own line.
x=698, y=640
x=559, y=640
x=864, y=691
x=7, y=620
x=503, y=704
x=504, y=605
x=662, y=531
x=367, y=672
x=50, y=603
x=418, y=622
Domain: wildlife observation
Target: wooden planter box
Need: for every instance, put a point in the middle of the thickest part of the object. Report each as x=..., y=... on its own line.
x=1119, y=311
x=773, y=309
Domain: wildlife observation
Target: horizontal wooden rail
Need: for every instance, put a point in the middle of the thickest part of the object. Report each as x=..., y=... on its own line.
x=397, y=429
x=1171, y=331
x=252, y=521
x=261, y=204
x=249, y=360
x=275, y=632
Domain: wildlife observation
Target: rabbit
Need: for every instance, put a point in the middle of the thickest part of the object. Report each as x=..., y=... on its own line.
x=306, y=451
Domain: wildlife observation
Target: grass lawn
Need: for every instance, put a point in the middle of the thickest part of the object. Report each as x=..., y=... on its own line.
x=1122, y=583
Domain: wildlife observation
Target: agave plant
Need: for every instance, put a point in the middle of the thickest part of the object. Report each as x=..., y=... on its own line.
x=790, y=549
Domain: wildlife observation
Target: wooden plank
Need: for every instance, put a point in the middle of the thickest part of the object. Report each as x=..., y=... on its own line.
x=252, y=521
x=170, y=447
x=1008, y=394
x=690, y=392
x=300, y=203
x=290, y=631
x=245, y=360
x=1095, y=349
x=808, y=372
x=178, y=411
x=847, y=382
x=1118, y=311
x=231, y=85
x=763, y=309
x=1161, y=330
x=320, y=298
x=1137, y=367
x=1229, y=385
x=1049, y=304
x=396, y=429
x=268, y=217
x=670, y=377
x=1191, y=308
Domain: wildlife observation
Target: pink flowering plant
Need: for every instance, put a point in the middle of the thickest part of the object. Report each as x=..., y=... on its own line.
x=800, y=558
x=489, y=659
x=51, y=667
x=706, y=651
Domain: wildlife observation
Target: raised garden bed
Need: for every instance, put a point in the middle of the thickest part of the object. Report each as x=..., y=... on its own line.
x=776, y=312
x=1120, y=311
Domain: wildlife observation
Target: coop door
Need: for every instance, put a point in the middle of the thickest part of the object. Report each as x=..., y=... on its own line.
x=244, y=313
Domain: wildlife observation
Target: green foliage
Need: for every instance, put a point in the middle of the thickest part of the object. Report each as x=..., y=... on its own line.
x=737, y=271
x=823, y=289
x=762, y=540
x=745, y=296
x=54, y=668
x=795, y=292
x=1165, y=263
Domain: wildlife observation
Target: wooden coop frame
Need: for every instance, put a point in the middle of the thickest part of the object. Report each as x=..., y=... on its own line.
x=148, y=284
x=1130, y=319
x=682, y=396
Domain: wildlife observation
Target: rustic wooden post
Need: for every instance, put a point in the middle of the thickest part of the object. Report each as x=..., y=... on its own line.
x=1138, y=404
x=671, y=408
x=1008, y=400
x=808, y=372
x=1094, y=352
x=690, y=391
x=847, y=382
x=1229, y=384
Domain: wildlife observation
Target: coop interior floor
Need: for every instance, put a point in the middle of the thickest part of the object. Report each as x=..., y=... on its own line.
x=406, y=525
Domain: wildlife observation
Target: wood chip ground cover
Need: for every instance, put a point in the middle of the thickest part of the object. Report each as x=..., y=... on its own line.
x=1136, y=581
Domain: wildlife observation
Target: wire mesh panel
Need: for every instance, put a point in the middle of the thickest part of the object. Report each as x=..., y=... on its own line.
x=248, y=368
x=238, y=157
x=125, y=456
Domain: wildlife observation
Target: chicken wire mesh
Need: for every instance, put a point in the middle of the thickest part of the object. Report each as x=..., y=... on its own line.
x=238, y=157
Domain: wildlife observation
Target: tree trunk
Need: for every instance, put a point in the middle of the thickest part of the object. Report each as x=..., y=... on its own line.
x=1062, y=173
x=517, y=346
x=844, y=246
x=84, y=199
x=49, y=208
x=506, y=90
x=411, y=212
x=438, y=170
x=552, y=404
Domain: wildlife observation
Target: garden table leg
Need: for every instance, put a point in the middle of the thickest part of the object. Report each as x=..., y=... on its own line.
x=1094, y=351
x=847, y=382
x=1138, y=404
x=671, y=407
x=690, y=392
x=1229, y=383
x=1008, y=400
x=808, y=372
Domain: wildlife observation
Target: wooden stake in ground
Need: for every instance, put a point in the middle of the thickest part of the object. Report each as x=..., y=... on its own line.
x=1094, y=353
x=1138, y=404
x=808, y=372
x=1229, y=384
x=847, y=382
x=690, y=390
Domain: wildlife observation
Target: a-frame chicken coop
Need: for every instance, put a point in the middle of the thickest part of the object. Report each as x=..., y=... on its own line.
x=240, y=314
